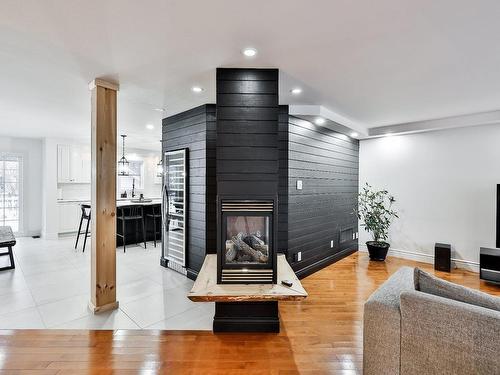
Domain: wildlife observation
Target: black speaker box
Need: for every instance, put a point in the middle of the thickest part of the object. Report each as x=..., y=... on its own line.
x=442, y=257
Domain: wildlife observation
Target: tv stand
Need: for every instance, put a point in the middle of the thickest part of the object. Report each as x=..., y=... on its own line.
x=489, y=264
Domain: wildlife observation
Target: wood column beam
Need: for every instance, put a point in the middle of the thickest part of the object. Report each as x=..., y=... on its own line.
x=103, y=196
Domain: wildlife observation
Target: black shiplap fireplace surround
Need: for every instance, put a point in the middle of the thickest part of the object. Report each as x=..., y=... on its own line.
x=237, y=152
x=247, y=170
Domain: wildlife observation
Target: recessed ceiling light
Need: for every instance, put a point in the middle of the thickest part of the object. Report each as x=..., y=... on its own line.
x=159, y=109
x=354, y=134
x=196, y=89
x=296, y=91
x=319, y=121
x=249, y=52
x=150, y=126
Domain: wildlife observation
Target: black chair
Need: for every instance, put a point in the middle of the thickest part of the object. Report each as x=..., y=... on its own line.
x=131, y=213
x=155, y=214
x=85, y=216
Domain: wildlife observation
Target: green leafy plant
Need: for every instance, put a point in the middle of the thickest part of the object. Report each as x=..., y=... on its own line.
x=376, y=212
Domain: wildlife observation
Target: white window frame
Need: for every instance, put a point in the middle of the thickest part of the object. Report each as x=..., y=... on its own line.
x=20, y=159
x=139, y=183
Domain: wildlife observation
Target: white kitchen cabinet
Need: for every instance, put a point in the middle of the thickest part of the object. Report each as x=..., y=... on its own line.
x=63, y=163
x=69, y=216
x=86, y=165
x=73, y=164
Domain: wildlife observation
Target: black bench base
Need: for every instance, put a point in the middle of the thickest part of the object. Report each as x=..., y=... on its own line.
x=11, y=256
x=246, y=317
x=7, y=240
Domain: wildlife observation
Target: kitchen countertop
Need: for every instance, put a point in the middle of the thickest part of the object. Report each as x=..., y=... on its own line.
x=118, y=200
x=73, y=200
x=129, y=202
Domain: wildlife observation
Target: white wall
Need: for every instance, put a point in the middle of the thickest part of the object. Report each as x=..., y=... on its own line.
x=445, y=186
x=31, y=151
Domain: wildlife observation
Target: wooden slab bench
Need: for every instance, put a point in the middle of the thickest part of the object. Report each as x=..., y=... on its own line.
x=7, y=240
x=245, y=307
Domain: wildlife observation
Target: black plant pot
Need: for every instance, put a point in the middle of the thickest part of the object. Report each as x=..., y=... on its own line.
x=377, y=250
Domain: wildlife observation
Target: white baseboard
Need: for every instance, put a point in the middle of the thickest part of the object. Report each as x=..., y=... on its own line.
x=427, y=258
x=466, y=264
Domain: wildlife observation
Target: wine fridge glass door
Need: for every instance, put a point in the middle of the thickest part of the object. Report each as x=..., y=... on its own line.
x=175, y=193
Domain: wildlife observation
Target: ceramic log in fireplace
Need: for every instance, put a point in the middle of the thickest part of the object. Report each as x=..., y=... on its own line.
x=247, y=241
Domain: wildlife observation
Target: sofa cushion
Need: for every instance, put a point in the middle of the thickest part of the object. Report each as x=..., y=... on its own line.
x=427, y=283
x=447, y=337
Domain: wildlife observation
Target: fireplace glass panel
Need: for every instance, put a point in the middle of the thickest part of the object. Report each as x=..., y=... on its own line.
x=247, y=239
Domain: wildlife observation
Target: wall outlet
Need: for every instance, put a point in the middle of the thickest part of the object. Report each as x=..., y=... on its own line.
x=357, y=235
x=299, y=184
x=298, y=256
x=331, y=243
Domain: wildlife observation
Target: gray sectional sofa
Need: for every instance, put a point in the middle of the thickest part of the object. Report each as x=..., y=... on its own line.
x=416, y=323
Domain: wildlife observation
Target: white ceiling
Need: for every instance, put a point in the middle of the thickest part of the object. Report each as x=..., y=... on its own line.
x=375, y=63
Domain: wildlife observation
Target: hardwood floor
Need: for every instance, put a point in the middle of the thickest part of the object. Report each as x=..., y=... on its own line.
x=320, y=335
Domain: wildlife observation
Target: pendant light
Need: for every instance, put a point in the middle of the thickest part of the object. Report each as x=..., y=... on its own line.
x=123, y=164
x=159, y=166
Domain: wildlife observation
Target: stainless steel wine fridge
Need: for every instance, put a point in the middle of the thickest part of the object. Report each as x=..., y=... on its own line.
x=175, y=209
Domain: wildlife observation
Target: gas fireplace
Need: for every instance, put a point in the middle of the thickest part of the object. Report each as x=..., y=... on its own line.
x=246, y=249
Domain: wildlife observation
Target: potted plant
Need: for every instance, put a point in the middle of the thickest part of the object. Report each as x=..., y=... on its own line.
x=375, y=210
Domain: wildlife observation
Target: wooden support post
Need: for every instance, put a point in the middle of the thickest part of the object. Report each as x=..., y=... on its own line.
x=103, y=255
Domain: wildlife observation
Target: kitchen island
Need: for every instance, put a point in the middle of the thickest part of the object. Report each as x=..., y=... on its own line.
x=70, y=213
x=134, y=231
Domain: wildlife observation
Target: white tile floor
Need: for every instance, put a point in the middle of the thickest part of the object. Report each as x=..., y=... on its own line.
x=50, y=289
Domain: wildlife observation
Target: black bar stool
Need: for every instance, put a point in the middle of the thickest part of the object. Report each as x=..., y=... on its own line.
x=155, y=214
x=85, y=216
x=131, y=213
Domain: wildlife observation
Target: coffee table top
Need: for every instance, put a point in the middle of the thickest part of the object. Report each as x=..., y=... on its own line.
x=206, y=289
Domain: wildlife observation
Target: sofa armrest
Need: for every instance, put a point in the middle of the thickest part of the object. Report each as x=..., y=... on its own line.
x=444, y=336
x=381, y=324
